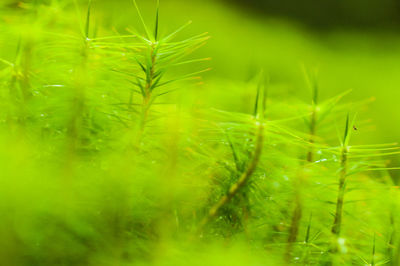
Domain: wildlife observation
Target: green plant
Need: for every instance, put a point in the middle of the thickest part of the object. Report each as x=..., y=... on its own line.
x=247, y=169
x=112, y=152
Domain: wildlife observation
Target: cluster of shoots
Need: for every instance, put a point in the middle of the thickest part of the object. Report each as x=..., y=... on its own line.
x=103, y=98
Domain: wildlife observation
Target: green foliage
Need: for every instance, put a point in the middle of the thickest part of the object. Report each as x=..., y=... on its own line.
x=109, y=157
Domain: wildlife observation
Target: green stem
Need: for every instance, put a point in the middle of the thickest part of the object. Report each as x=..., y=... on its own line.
x=298, y=209
x=313, y=124
x=244, y=178
x=295, y=222
x=340, y=198
x=78, y=104
x=147, y=97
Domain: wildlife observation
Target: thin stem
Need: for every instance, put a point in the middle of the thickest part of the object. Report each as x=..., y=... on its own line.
x=296, y=217
x=297, y=212
x=146, y=102
x=242, y=181
x=25, y=65
x=20, y=86
x=78, y=104
x=313, y=124
x=342, y=187
x=373, y=252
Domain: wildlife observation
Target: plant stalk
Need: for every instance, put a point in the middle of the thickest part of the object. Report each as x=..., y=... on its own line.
x=147, y=96
x=298, y=209
x=244, y=178
x=336, y=227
